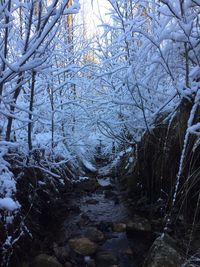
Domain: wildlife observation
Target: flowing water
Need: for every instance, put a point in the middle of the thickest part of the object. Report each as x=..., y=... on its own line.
x=103, y=209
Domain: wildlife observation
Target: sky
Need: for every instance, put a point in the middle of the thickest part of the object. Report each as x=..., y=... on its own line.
x=94, y=11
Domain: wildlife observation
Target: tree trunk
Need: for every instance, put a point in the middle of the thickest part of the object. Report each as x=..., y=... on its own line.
x=31, y=109
x=12, y=106
x=3, y=67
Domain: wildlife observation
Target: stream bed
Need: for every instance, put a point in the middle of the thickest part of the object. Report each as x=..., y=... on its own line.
x=104, y=211
x=96, y=230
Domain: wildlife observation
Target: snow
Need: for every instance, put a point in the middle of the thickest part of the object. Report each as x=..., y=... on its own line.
x=74, y=9
x=88, y=165
x=42, y=139
x=131, y=159
x=83, y=178
x=9, y=204
x=7, y=184
x=87, y=258
x=9, y=218
x=121, y=154
x=127, y=151
x=104, y=181
x=194, y=129
x=41, y=183
x=127, y=165
x=195, y=72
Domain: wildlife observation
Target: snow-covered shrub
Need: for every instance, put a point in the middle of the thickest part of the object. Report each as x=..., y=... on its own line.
x=9, y=206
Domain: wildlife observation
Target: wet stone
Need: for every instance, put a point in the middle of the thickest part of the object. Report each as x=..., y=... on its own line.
x=90, y=262
x=83, y=246
x=44, y=260
x=138, y=225
x=119, y=227
x=94, y=234
x=105, y=259
x=118, y=244
x=129, y=252
x=163, y=253
x=61, y=252
x=68, y=264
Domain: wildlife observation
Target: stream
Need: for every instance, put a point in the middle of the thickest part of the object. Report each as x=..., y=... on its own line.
x=102, y=210
x=95, y=231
